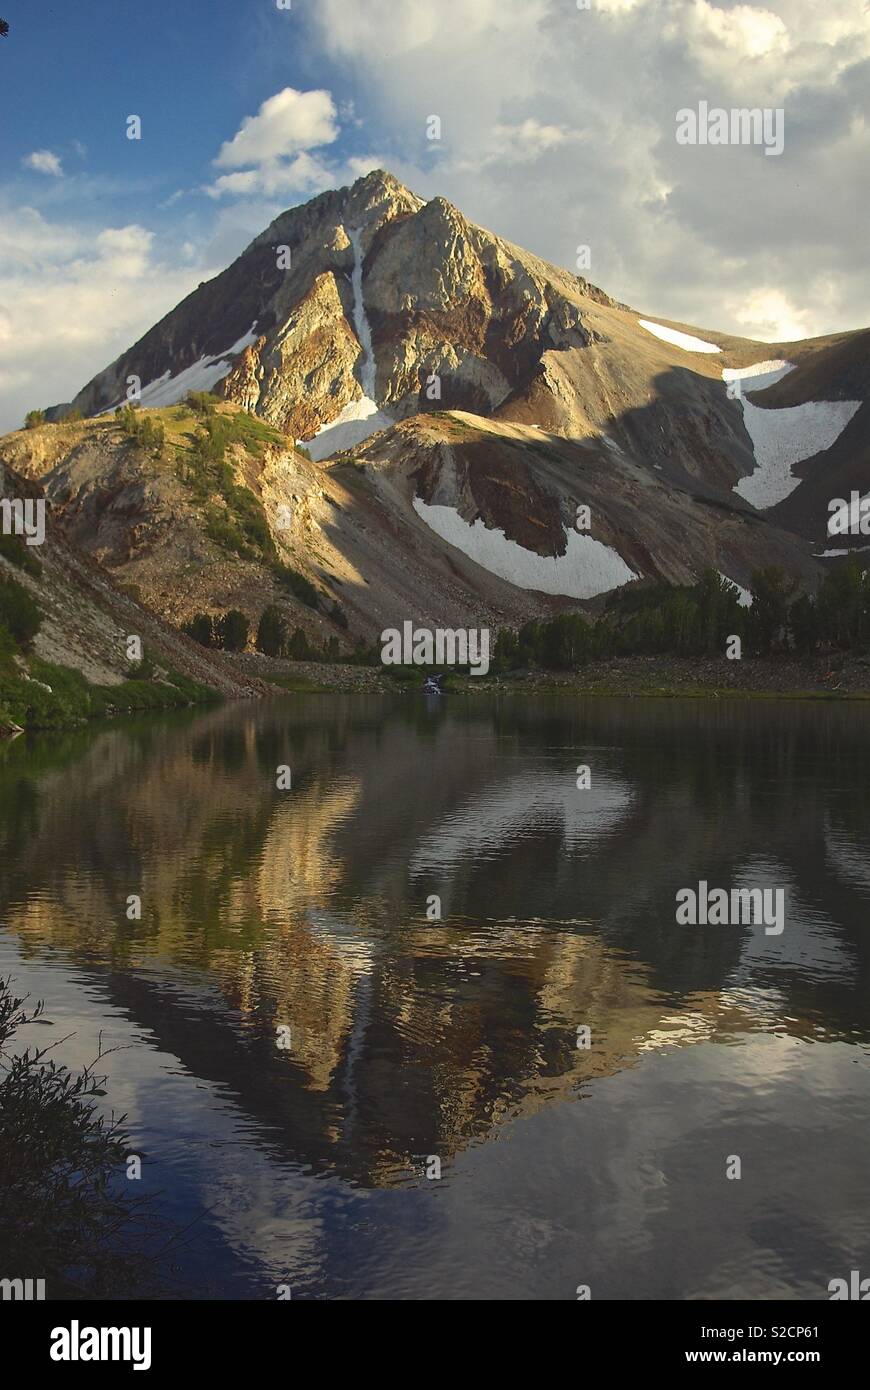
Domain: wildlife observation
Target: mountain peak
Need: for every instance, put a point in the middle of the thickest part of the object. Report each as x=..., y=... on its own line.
x=284, y=329
x=376, y=198
x=380, y=179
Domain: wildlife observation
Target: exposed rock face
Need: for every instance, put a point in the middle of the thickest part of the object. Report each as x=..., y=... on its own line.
x=132, y=513
x=444, y=299
x=309, y=361
x=242, y=383
x=87, y=618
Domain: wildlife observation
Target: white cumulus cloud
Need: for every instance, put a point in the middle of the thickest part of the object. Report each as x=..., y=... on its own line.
x=287, y=122
x=44, y=162
x=269, y=153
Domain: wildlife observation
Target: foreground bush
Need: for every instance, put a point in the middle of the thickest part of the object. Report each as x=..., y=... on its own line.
x=140, y=427
x=19, y=613
x=63, y=1215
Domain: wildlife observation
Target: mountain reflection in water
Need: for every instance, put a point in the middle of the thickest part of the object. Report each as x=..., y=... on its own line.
x=458, y=1039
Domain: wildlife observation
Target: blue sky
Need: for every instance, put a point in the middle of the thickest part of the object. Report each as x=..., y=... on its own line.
x=71, y=75
x=195, y=69
x=557, y=131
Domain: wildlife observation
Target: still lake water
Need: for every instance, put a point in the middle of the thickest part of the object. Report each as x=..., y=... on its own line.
x=457, y=1039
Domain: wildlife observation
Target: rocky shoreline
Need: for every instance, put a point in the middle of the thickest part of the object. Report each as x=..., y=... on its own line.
x=842, y=676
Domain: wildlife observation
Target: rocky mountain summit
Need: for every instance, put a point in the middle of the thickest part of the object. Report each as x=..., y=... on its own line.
x=441, y=296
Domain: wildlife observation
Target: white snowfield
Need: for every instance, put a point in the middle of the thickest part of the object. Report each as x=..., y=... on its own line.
x=356, y=422
x=362, y=417
x=586, y=569
x=744, y=596
x=783, y=437
x=202, y=376
x=681, y=340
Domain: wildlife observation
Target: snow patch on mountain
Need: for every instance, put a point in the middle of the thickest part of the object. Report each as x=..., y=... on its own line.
x=201, y=376
x=681, y=340
x=587, y=568
x=357, y=421
x=783, y=437
x=761, y=374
